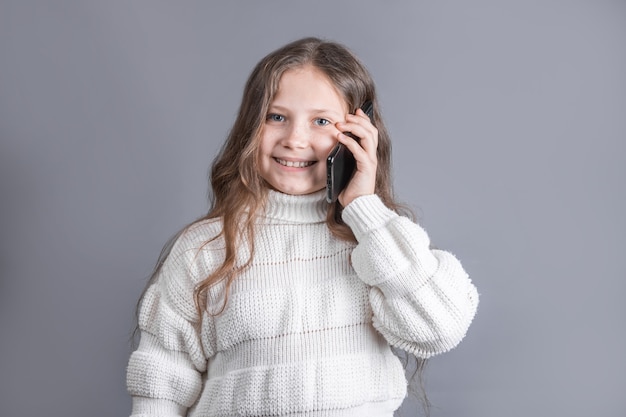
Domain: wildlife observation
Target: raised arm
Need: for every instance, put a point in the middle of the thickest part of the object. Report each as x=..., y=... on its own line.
x=423, y=301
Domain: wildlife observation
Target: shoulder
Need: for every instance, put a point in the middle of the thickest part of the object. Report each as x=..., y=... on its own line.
x=187, y=259
x=199, y=233
x=196, y=250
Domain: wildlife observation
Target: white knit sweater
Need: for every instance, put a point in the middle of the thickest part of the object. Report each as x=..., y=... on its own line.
x=308, y=327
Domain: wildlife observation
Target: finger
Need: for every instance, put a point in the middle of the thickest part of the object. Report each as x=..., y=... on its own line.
x=361, y=155
x=362, y=121
x=361, y=113
x=367, y=134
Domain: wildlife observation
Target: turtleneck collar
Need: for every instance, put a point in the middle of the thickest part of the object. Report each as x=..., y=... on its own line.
x=309, y=208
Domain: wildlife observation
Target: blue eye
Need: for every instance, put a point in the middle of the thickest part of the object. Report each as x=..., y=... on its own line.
x=322, y=122
x=275, y=117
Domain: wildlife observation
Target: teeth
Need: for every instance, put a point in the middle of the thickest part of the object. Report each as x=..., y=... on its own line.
x=293, y=163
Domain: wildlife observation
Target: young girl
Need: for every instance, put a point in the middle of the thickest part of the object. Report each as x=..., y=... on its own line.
x=277, y=303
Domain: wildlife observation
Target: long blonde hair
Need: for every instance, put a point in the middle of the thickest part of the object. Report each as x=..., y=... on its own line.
x=238, y=191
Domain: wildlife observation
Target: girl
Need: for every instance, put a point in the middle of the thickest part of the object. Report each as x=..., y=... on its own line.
x=278, y=303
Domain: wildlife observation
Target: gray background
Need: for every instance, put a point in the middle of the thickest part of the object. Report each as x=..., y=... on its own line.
x=509, y=124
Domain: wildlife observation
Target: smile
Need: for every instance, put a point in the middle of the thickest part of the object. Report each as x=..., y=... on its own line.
x=294, y=164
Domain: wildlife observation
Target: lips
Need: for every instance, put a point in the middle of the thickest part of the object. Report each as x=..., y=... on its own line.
x=294, y=164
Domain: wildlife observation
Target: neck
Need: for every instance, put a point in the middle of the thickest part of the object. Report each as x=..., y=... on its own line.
x=309, y=208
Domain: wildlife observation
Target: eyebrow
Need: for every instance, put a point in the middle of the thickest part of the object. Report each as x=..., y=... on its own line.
x=313, y=111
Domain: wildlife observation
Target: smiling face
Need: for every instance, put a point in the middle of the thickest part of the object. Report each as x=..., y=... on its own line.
x=299, y=131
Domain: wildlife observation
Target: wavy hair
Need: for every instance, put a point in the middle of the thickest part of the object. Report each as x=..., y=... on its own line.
x=239, y=193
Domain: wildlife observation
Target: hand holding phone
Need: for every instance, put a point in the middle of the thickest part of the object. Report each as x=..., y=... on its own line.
x=340, y=164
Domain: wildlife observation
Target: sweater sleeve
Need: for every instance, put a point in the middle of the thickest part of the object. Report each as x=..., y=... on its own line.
x=164, y=374
x=422, y=300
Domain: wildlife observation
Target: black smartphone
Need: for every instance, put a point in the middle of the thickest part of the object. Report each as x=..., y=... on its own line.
x=340, y=164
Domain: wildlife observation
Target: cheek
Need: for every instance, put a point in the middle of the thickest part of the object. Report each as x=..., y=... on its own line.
x=325, y=144
x=269, y=138
x=265, y=144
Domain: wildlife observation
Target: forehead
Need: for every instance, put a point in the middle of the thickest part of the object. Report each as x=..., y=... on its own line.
x=308, y=85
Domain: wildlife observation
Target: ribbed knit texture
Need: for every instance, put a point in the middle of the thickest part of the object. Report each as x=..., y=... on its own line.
x=308, y=327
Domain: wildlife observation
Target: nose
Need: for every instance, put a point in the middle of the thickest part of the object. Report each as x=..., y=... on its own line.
x=296, y=137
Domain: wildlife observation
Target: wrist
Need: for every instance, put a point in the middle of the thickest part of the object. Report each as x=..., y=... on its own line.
x=366, y=213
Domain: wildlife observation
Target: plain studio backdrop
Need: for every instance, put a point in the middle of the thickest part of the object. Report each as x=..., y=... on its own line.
x=509, y=127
